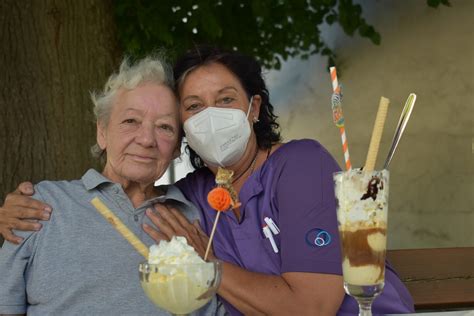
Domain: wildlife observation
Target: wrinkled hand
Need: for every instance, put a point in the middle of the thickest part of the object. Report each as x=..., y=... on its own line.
x=171, y=222
x=20, y=212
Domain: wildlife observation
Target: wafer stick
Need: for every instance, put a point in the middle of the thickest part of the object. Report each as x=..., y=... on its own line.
x=120, y=227
x=376, y=134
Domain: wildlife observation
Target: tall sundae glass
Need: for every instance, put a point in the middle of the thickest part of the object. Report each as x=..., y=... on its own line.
x=362, y=198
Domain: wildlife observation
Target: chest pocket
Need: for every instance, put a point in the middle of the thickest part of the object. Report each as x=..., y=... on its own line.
x=257, y=255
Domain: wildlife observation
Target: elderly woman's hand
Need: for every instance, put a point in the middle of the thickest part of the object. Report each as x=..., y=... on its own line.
x=19, y=210
x=171, y=222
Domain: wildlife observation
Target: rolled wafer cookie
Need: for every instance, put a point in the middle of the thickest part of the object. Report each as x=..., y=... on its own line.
x=376, y=134
x=120, y=227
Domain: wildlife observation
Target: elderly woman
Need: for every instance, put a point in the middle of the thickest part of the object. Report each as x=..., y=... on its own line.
x=77, y=263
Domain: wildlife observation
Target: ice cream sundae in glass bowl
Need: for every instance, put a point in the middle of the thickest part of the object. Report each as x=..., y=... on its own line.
x=176, y=279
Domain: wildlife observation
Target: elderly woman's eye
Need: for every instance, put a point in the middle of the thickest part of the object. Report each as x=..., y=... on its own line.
x=129, y=121
x=167, y=128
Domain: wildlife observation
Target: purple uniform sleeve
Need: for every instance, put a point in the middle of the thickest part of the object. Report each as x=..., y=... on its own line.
x=306, y=202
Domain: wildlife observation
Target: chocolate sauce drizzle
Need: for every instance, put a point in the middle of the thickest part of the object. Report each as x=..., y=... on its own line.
x=373, y=188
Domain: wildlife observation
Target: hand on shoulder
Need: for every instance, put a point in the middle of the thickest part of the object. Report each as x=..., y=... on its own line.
x=19, y=209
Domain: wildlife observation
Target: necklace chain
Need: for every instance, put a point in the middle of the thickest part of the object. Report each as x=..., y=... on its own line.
x=250, y=167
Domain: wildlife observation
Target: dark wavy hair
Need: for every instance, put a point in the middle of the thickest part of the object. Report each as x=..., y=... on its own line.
x=249, y=73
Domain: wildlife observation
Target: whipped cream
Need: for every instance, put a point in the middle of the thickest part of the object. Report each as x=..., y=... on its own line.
x=175, y=251
x=350, y=188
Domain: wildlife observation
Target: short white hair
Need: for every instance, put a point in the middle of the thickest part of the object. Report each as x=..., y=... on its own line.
x=151, y=69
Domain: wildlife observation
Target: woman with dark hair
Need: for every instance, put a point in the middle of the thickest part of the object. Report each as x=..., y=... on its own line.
x=280, y=248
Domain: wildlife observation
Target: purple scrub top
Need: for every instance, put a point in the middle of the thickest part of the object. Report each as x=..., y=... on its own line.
x=294, y=187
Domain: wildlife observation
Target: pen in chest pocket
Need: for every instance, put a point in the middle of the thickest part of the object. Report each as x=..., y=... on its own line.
x=268, y=234
x=273, y=227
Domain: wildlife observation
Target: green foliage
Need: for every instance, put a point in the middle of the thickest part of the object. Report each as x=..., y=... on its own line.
x=272, y=30
x=436, y=3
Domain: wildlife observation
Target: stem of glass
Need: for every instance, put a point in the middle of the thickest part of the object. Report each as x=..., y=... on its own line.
x=365, y=306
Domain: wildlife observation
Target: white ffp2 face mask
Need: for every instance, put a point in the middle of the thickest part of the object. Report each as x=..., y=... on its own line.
x=218, y=135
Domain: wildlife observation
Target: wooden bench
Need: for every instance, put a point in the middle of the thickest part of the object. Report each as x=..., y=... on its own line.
x=438, y=279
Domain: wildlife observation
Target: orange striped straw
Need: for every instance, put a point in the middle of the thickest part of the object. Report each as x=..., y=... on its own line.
x=338, y=116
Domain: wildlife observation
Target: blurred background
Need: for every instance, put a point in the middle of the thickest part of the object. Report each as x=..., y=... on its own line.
x=55, y=52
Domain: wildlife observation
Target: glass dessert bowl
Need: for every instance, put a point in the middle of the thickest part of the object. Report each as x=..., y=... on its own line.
x=180, y=288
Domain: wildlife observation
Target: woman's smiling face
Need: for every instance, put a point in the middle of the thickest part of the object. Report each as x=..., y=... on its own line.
x=141, y=137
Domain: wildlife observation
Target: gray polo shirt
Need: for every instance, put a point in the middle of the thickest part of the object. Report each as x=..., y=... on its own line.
x=78, y=263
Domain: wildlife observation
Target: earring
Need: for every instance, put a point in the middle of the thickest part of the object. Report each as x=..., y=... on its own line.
x=255, y=120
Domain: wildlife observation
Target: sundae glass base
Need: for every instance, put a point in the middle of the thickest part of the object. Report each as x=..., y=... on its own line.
x=364, y=295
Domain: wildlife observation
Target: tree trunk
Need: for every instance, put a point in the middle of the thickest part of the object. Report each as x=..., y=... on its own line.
x=53, y=53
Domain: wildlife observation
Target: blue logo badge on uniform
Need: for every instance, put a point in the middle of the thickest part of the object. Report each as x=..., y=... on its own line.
x=318, y=237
